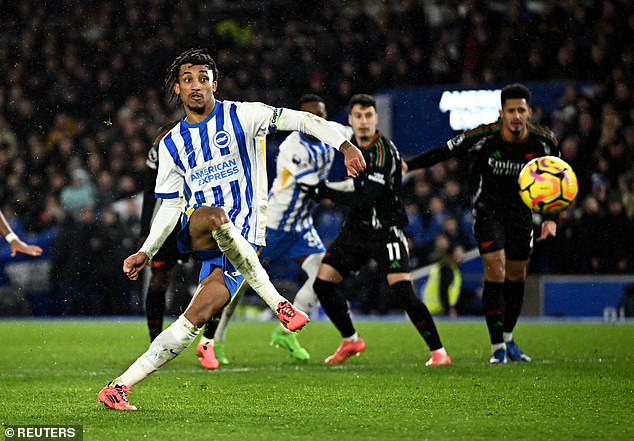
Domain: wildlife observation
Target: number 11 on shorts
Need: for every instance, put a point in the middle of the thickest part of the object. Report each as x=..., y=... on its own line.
x=394, y=251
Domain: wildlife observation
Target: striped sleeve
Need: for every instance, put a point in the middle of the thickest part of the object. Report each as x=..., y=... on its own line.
x=169, y=180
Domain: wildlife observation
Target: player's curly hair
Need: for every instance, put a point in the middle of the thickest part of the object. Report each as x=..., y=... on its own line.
x=190, y=56
x=515, y=91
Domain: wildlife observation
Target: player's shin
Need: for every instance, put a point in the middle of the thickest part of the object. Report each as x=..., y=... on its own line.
x=418, y=313
x=335, y=306
x=493, y=304
x=211, y=326
x=155, y=310
x=513, y=300
x=306, y=299
x=228, y=312
x=170, y=343
x=243, y=257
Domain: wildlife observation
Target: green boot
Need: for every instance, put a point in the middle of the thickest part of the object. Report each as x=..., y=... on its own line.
x=221, y=355
x=288, y=341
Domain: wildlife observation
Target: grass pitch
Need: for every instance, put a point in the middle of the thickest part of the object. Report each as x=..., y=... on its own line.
x=580, y=385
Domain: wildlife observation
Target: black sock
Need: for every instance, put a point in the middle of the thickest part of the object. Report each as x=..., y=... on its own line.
x=418, y=313
x=493, y=304
x=513, y=300
x=154, y=311
x=335, y=306
x=212, y=325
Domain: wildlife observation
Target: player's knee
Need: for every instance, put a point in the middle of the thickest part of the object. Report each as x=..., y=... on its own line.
x=394, y=278
x=404, y=291
x=204, y=221
x=329, y=273
x=213, y=217
x=208, y=218
x=516, y=271
x=494, y=272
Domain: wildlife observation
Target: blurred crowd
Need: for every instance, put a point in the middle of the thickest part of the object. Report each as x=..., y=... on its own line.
x=81, y=96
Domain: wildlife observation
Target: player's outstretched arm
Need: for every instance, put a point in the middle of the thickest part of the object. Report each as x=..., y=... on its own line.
x=428, y=158
x=320, y=128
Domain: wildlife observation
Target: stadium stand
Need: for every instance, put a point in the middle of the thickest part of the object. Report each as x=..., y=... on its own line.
x=81, y=96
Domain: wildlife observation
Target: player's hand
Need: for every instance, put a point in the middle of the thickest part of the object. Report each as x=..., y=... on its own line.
x=404, y=167
x=312, y=191
x=133, y=265
x=17, y=246
x=353, y=158
x=549, y=229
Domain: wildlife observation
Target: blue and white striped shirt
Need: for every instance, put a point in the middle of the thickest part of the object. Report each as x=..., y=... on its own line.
x=300, y=160
x=221, y=162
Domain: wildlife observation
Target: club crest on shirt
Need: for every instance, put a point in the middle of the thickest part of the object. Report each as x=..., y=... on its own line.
x=222, y=139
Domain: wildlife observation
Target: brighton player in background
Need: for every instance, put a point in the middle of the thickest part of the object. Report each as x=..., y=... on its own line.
x=290, y=233
x=373, y=229
x=16, y=245
x=502, y=224
x=212, y=170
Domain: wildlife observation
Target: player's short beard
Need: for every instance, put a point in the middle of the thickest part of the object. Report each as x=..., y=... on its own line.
x=363, y=140
x=199, y=110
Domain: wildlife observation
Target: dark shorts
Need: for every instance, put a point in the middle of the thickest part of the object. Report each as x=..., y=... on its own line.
x=168, y=255
x=507, y=229
x=353, y=248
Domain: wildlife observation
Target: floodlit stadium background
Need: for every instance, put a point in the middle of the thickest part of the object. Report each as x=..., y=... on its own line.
x=81, y=97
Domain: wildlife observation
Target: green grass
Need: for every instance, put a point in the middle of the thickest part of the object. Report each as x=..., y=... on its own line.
x=580, y=386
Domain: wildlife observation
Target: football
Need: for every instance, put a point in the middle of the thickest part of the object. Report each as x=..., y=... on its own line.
x=548, y=185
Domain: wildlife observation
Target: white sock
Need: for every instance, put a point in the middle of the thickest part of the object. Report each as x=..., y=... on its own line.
x=353, y=337
x=240, y=253
x=507, y=336
x=227, y=313
x=306, y=300
x=169, y=343
x=497, y=346
x=441, y=351
x=205, y=341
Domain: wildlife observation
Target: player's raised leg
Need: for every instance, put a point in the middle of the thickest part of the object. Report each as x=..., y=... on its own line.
x=209, y=226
